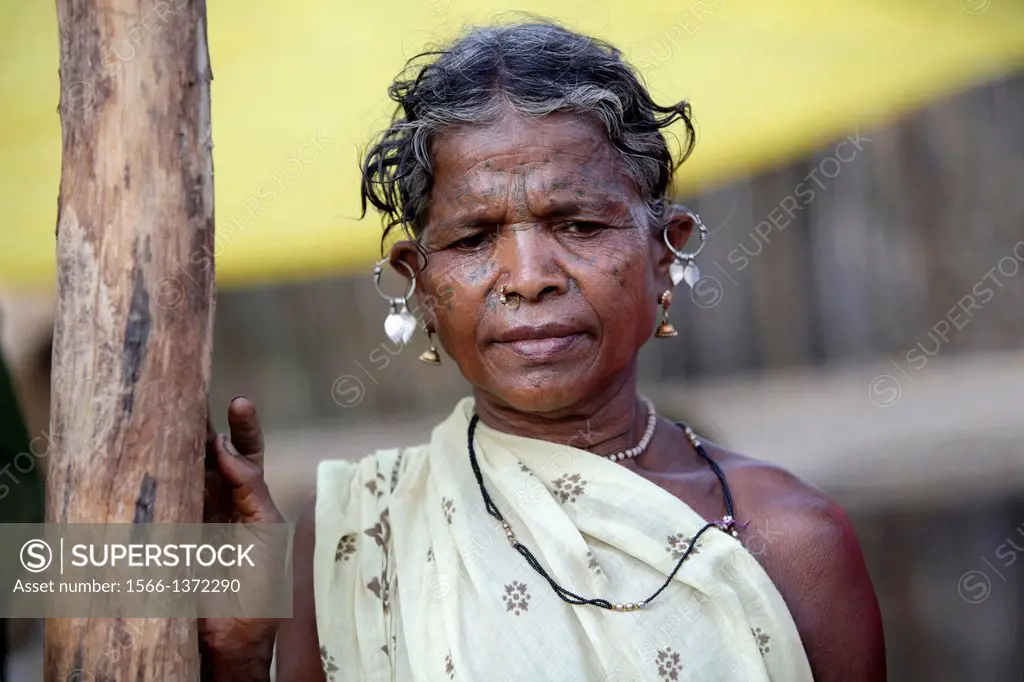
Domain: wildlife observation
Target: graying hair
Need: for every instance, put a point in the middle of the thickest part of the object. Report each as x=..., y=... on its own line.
x=533, y=69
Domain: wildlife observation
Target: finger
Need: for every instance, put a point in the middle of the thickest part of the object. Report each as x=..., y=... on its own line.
x=211, y=440
x=246, y=435
x=216, y=497
x=250, y=495
x=216, y=492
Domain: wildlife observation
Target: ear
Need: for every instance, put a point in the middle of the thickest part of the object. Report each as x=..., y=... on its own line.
x=406, y=259
x=677, y=225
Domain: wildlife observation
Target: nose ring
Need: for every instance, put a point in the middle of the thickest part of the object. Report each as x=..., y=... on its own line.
x=504, y=298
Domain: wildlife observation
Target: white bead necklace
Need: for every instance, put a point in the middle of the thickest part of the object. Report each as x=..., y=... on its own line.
x=652, y=422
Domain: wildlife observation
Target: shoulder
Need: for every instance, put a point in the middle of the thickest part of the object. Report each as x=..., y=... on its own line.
x=787, y=510
x=341, y=482
x=807, y=545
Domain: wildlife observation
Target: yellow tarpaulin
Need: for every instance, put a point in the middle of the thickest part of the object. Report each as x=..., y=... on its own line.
x=300, y=88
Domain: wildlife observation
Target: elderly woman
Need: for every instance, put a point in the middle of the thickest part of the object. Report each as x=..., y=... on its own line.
x=554, y=526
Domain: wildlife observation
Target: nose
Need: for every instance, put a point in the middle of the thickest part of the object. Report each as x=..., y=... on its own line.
x=529, y=257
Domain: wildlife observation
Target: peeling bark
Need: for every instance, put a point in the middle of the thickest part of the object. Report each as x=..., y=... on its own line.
x=132, y=337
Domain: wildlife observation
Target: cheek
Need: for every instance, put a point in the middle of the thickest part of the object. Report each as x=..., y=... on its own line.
x=461, y=296
x=629, y=307
x=618, y=273
x=620, y=287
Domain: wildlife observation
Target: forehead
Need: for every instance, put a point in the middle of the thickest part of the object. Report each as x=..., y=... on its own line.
x=556, y=159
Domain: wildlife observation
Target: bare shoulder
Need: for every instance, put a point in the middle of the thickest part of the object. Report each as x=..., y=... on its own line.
x=767, y=495
x=808, y=547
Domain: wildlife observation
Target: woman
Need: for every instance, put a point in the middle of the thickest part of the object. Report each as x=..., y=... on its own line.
x=554, y=527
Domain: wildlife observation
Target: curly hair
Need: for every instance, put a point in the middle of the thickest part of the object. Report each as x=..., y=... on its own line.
x=533, y=69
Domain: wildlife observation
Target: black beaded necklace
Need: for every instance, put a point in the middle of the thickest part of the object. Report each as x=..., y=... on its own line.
x=726, y=524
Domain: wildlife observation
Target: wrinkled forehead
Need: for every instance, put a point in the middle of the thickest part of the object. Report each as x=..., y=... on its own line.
x=530, y=166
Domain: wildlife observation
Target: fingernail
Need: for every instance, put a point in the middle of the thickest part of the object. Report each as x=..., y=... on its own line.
x=237, y=397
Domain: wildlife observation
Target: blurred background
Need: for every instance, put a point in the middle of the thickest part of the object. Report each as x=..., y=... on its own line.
x=860, y=167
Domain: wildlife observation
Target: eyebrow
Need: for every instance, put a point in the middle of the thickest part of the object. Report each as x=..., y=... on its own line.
x=562, y=209
x=611, y=209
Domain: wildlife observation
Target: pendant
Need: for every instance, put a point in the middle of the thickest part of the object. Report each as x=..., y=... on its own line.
x=399, y=324
x=675, y=272
x=691, y=274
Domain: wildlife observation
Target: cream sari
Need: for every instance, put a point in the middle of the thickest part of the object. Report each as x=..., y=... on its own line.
x=415, y=581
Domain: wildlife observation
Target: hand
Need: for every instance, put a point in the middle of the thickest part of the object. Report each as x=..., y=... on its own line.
x=236, y=492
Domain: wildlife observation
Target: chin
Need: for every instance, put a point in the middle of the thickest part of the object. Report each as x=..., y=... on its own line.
x=541, y=392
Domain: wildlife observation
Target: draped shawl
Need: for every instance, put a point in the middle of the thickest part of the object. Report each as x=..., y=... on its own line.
x=415, y=581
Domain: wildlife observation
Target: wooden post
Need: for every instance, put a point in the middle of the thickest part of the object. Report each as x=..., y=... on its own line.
x=132, y=339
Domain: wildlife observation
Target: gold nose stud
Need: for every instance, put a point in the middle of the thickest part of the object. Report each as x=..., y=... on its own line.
x=507, y=301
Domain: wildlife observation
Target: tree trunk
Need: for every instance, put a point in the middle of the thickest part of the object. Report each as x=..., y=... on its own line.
x=132, y=338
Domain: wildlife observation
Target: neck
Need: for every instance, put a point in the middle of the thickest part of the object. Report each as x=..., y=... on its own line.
x=610, y=422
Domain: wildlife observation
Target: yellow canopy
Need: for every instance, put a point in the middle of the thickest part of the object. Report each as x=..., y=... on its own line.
x=300, y=88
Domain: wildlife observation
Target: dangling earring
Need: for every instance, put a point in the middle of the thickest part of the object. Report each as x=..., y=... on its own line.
x=399, y=325
x=430, y=356
x=665, y=329
x=683, y=267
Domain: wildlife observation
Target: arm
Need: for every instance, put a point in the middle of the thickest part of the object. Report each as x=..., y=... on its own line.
x=817, y=564
x=298, y=644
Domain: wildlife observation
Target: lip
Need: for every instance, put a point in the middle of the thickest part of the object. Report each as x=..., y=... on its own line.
x=541, y=343
x=538, y=332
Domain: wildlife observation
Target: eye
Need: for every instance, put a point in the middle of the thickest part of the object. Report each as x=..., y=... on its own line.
x=582, y=228
x=472, y=242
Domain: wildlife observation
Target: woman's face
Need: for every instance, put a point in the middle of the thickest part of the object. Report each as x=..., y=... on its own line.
x=543, y=208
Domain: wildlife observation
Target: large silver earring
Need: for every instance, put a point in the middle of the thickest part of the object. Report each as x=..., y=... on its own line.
x=399, y=324
x=684, y=268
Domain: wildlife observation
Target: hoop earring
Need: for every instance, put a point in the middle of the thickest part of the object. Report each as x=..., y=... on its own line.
x=399, y=325
x=683, y=267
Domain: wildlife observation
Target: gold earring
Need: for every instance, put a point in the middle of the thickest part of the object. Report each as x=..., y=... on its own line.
x=430, y=356
x=665, y=329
